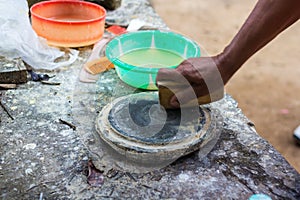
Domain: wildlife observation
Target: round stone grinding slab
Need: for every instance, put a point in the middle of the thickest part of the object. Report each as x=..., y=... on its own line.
x=144, y=121
x=138, y=128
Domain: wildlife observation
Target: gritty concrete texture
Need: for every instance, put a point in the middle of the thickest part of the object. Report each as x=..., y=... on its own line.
x=12, y=71
x=108, y=4
x=41, y=157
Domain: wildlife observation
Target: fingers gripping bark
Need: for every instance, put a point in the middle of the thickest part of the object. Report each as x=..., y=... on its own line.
x=193, y=78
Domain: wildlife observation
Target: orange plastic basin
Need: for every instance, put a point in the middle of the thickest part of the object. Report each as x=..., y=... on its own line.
x=68, y=23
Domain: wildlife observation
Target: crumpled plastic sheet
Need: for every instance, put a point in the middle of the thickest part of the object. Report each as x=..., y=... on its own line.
x=19, y=40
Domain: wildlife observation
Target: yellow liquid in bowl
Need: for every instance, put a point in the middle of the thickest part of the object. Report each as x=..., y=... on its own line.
x=151, y=58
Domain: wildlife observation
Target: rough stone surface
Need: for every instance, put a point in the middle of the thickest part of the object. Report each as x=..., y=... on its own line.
x=31, y=2
x=39, y=156
x=12, y=71
x=109, y=4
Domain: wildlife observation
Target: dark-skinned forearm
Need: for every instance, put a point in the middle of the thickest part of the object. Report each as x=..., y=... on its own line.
x=266, y=21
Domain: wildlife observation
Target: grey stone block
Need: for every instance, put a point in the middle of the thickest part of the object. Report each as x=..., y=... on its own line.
x=31, y=2
x=12, y=71
x=108, y=4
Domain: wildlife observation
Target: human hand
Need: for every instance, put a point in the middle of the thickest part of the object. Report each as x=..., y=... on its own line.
x=193, y=78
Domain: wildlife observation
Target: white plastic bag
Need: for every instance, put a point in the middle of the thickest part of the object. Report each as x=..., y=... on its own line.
x=18, y=39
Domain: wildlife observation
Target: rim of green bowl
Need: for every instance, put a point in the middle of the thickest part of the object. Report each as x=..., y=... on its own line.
x=118, y=63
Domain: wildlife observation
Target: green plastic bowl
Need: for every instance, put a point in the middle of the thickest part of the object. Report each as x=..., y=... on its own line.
x=135, y=73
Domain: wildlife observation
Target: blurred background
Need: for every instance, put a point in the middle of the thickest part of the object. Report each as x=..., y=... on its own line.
x=267, y=87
